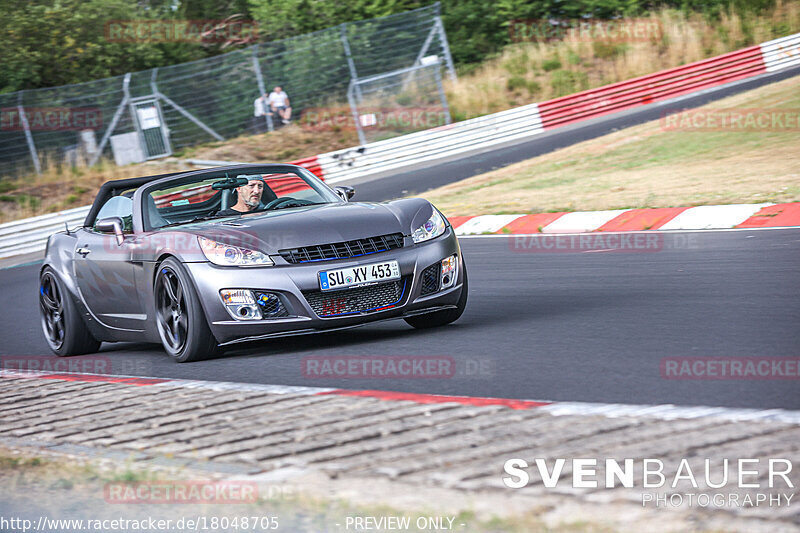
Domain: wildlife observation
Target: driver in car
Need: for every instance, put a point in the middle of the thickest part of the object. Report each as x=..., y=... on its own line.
x=248, y=198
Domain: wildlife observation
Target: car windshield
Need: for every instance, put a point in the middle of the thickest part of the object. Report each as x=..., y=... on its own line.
x=231, y=194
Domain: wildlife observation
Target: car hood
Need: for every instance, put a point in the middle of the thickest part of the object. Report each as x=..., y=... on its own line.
x=313, y=225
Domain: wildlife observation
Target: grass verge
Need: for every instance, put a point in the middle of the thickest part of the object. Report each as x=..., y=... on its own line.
x=647, y=166
x=70, y=488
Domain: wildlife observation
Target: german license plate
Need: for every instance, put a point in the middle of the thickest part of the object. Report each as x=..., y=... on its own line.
x=358, y=275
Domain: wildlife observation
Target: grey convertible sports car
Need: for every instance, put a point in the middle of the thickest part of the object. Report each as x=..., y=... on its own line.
x=203, y=259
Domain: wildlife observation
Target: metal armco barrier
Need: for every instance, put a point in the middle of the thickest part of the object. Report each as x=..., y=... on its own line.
x=491, y=130
x=782, y=53
x=768, y=57
x=653, y=87
x=30, y=234
x=437, y=143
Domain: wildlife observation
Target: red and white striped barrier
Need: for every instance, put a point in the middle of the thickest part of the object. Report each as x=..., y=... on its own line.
x=668, y=218
x=653, y=87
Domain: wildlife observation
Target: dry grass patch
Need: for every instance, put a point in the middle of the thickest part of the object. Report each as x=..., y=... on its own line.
x=646, y=166
x=286, y=144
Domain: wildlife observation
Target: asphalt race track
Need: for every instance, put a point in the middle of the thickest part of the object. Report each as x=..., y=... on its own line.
x=578, y=326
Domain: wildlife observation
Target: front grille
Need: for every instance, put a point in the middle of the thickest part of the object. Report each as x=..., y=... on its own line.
x=430, y=279
x=358, y=300
x=271, y=305
x=343, y=250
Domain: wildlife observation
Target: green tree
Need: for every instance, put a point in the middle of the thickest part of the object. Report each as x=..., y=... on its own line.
x=55, y=42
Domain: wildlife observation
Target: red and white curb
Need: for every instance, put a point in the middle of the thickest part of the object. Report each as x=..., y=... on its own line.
x=737, y=216
x=663, y=412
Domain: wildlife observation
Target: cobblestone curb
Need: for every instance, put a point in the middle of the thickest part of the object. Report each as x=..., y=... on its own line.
x=404, y=451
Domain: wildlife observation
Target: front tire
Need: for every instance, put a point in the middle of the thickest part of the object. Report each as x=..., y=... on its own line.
x=444, y=317
x=64, y=329
x=181, y=322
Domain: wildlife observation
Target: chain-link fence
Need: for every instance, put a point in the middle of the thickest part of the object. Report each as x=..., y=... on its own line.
x=398, y=102
x=148, y=114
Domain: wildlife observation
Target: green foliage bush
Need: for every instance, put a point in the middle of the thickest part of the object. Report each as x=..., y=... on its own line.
x=568, y=82
x=606, y=50
x=517, y=65
x=534, y=88
x=549, y=65
x=515, y=83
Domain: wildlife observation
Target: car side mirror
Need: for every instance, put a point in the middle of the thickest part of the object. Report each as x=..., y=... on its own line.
x=345, y=192
x=111, y=225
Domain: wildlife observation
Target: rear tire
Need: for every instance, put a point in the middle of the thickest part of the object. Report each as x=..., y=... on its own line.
x=64, y=329
x=181, y=322
x=444, y=317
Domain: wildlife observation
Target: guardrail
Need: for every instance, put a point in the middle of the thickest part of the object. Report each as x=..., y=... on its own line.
x=437, y=143
x=652, y=88
x=781, y=53
x=30, y=234
x=671, y=83
x=488, y=131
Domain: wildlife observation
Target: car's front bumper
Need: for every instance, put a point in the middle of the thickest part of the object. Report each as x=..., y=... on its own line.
x=291, y=281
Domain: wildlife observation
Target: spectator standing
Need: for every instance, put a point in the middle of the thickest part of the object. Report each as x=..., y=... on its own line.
x=259, y=112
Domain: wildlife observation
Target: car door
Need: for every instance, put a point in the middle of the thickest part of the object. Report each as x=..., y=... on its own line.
x=105, y=273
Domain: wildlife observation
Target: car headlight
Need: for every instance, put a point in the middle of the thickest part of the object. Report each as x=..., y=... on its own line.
x=228, y=255
x=432, y=228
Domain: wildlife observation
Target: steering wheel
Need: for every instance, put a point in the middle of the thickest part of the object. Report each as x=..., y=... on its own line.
x=279, y=203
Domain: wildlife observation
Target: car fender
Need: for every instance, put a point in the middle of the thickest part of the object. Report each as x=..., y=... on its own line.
x=411, y=212
x=59, y=256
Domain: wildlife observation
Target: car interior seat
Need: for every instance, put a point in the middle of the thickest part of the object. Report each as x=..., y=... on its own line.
x=155, y=218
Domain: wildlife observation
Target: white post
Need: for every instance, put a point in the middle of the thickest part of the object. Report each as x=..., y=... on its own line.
x=262, y=91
